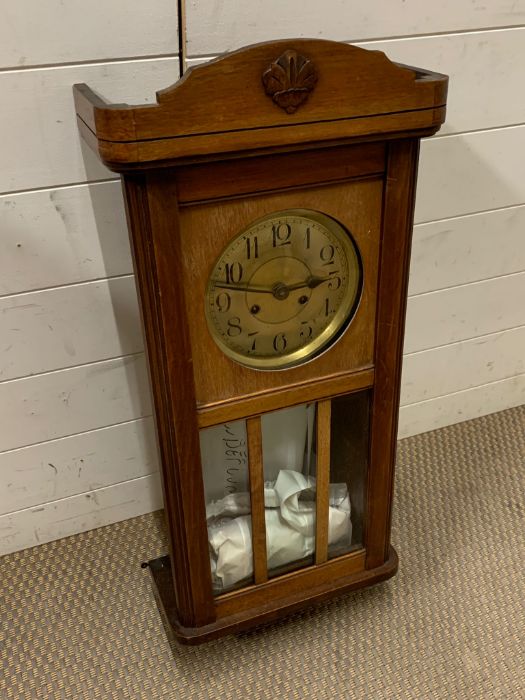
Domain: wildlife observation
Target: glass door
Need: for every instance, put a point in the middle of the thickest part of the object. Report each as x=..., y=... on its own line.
x=286, y=489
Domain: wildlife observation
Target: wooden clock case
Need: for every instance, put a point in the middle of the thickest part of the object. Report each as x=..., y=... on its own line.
x=286, y=124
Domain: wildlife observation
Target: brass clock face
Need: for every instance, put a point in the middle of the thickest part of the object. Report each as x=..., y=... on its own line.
x=284, y=289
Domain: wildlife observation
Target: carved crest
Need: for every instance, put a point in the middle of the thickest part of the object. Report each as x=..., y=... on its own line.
x=289, y=80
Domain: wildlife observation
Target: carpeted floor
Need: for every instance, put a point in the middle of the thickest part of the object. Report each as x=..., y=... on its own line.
x=78, y=620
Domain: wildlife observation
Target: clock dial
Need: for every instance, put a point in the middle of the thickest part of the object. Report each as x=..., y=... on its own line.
x=284, y=289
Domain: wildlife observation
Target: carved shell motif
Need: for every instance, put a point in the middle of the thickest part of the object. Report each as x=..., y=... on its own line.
x=289, y=80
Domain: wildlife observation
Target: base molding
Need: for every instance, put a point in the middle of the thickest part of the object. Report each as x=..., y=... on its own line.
x=160, y=571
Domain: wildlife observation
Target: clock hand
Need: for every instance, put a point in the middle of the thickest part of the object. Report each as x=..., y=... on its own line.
x=310, y=283
x=279, y=289
x=244, y=288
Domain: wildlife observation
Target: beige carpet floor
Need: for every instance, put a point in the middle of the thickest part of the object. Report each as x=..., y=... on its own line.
x=78, y=620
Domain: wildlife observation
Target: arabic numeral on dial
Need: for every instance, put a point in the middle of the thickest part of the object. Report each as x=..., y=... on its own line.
x=223, y=302
x=307, y=237
x=279, y=342
x=233, y=272
x=281, y=234
x=234, y=326
x=327, y=254
x=327, y=309
x=252, y=248
x=306, y=330
x=252, y=335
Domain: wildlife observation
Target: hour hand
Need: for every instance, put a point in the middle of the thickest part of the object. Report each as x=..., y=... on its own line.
x=311, y=283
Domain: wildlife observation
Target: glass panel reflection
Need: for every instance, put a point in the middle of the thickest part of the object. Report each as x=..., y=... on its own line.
x=349, y=465
x=224, y=457
x=289, y=441
x=292, y=463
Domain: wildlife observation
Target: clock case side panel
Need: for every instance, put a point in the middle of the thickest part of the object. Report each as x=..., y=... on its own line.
x=396, y=238
x=153, y=228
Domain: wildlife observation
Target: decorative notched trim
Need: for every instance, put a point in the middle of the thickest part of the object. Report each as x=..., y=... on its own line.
x=289, y=80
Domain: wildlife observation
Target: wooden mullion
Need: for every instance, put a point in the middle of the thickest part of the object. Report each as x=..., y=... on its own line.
x=256, y=469
x=324, y=411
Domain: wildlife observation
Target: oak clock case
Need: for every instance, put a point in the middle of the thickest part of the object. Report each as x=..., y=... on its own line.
x=270, y=196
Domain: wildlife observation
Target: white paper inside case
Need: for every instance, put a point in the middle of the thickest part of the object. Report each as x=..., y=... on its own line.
x=288, y=438
x=290, y=526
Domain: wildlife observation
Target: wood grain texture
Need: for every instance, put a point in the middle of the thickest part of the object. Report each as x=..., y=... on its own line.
x=479, y=63
x=393, y=284
x=357, y=206
x=366, y=84
x=156, y=244
x=272, y=400
x=274, y=172
x=276, y=607
x=279, y=588
x=123, y=155
x=256, y=468
x=322, y=474
x=175, y=248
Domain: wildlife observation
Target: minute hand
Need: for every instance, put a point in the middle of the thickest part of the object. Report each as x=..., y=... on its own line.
x=276, y=289
x=244, y=288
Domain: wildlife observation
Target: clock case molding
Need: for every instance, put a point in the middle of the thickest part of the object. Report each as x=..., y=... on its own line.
x=270, y=126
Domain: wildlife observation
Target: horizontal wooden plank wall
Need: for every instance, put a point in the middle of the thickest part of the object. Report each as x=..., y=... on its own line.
x=56, y=32
x=219, y=25
x=77, y=446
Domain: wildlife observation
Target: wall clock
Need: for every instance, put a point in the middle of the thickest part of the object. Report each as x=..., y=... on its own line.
x=284, y=289
x=270, y=196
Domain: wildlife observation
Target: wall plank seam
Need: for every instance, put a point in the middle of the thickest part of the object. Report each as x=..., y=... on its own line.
x=462, y=391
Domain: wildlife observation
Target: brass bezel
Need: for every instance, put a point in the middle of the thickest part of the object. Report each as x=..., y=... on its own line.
x=342, y=318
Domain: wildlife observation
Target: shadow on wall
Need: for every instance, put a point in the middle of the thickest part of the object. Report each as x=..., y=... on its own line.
x=467, y=173
x=110, y=219
x=458, y=175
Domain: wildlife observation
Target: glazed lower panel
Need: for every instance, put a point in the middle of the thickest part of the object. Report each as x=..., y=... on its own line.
x=246, y=609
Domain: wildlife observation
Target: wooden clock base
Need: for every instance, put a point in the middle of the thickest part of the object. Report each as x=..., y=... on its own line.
x=162, y=585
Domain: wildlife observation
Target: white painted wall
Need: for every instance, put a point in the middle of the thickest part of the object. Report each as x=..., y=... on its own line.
x=77, y=447
x=76, y=437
